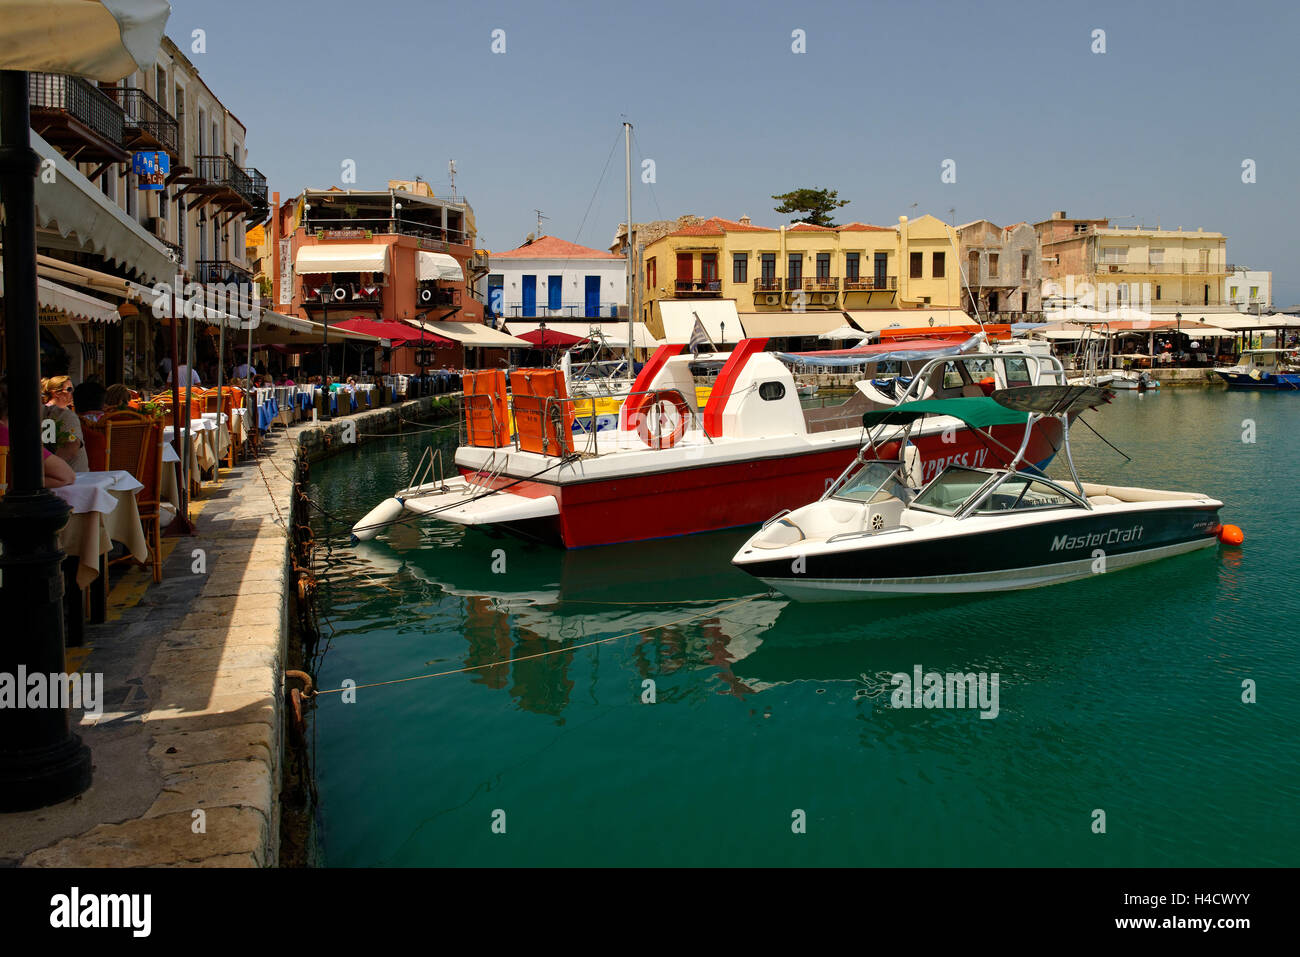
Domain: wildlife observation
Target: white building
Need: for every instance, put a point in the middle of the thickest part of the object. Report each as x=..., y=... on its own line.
x=1248, y=290
x=552, y=278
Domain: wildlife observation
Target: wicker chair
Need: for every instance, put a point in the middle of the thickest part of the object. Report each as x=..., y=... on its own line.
x=96, y=439
x=134, y=443
x=225, y=401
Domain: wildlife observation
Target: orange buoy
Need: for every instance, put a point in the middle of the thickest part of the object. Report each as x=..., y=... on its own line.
x=1231, y=535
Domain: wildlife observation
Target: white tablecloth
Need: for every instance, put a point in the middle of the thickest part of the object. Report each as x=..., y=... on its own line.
x=103, y=511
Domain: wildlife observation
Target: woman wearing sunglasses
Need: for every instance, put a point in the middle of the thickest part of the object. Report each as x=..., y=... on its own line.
x=69, y=444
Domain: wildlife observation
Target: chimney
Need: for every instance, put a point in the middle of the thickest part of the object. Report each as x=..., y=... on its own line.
x=745, y=220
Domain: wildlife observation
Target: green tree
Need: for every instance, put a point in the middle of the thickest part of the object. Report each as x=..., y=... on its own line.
x=816, y=205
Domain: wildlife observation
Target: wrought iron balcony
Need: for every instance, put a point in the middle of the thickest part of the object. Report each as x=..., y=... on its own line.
x=433, y=238
x=1162, y=269
x=148, y=126
x=870, y=283
x=699, y=288
x=820, y=284
x=767, y=285
x=257, y=194
x=77, y=117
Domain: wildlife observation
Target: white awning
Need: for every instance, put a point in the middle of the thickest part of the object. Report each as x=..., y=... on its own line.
x=777, y=324
x=718, y=316
x=473, y=335
x=105, y=41
x=76, y=306
x=71, y=204
x=877, y=320
x=438, y=266
x=342, y=257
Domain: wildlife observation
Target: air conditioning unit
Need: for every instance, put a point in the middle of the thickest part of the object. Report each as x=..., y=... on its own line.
x=772, y=300
x=828, y=298
x=339, y=293
x=425, y=296
x=1114, y=269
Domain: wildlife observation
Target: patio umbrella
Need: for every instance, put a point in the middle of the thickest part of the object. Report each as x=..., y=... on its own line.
x=846, y=333
x=551, y=338
x=41, y=761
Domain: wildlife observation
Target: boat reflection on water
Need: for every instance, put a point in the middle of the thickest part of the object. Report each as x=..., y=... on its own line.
x=678, y=601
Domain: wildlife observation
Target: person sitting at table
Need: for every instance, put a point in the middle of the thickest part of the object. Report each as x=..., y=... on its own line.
x=57, y=394
x=88, y=400
x=243, y=370
x=57, y=473
x=185, y=372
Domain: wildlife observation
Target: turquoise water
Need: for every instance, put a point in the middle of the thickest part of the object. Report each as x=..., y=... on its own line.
x=1121, y=693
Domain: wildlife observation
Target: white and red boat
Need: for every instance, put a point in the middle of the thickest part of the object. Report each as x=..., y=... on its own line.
x=672, y=468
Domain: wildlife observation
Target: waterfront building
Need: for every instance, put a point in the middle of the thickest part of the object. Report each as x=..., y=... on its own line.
x=1249, y=290
x=1002, y=271
x=398, y=254
x=111, y=224
x=798, y=281
x=1158, y=270
x=551, y=278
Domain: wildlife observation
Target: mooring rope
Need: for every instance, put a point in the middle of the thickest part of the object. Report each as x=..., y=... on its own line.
x=541, y=654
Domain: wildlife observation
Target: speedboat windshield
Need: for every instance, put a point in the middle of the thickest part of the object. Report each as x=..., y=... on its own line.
x=951, y=489
x=874, y=482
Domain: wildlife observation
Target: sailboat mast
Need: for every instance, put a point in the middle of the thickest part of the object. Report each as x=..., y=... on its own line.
x=631, y=249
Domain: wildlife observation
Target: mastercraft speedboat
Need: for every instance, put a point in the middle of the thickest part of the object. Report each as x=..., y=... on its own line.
x=676, y=466
x=1263, y=369
x=882, y=530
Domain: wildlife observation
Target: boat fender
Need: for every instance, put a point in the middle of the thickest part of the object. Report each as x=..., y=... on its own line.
x=377, y=519
x=1231, y=535
x=651, y=408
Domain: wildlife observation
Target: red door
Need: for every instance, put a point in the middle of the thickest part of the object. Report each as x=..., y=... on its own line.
x=685, y=271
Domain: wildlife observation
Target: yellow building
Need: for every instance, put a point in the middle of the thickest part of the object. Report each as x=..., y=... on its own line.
x=802, y=279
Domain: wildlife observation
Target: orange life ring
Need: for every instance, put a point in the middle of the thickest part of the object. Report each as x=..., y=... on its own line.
x=650, y=407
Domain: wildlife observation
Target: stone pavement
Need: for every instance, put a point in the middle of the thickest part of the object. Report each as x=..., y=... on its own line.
x=187, y=751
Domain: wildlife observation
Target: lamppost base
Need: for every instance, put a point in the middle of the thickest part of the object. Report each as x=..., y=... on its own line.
x=40, y=778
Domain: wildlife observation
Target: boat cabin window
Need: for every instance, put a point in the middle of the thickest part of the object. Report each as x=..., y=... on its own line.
x=951, y=489
x=771, y=391
x=1017, y=372
x=1021, y=493
x=874, y=482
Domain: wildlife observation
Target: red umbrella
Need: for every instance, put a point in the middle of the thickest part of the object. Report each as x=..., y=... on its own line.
x=395, y=332
x=551, y=337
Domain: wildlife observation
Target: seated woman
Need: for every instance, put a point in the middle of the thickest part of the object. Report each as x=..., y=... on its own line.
x=57, y=472
x=119, y=397
x=70, y=445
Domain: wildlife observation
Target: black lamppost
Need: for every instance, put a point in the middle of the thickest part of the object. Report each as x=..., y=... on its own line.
x=42, y=761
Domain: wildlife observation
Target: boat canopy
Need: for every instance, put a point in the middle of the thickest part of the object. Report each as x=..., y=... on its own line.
x=976, y=412
x=908, y=350
x=1052, y=399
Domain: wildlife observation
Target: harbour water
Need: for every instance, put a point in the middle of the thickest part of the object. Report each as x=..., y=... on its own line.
x=1121, y=694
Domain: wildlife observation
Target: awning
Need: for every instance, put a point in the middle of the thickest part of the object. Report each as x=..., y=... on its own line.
x=903, y=350
x=473, y=335
x=70, y=204
x=776, y=324
x=718, y=316
x=877, y=320
x=76, y=306
x=552, y=338
x=105, y=41
x=342, y=257
x=611, y=333
x=437, y=266
x=395, y=332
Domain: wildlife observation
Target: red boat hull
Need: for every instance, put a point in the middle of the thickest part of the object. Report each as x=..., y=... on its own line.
x=706, y=498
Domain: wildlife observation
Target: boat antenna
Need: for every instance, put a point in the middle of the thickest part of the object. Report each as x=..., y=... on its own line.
x=1127, y=457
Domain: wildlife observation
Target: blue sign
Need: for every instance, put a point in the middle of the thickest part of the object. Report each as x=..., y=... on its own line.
x=152, y=169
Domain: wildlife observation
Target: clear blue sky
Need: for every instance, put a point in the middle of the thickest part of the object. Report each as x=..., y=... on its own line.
x=1156, y=127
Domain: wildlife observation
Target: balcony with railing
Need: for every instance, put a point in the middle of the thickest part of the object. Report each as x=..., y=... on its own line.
x=772, y=284
x=1162, y=269
x=147, y=125
x=78, y=118
x=821, y=284
x=321, y=291
x=218, y=182
x=256, y=194
x=870, y=283
x=565, y=310
x=698, y=288
x=432, y=237
x=227, y=285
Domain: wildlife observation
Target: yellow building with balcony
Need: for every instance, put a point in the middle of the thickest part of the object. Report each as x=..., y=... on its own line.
x=802, y=279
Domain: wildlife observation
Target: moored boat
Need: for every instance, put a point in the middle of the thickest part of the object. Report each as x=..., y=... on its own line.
x=882, y=530
x=1263, y=369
